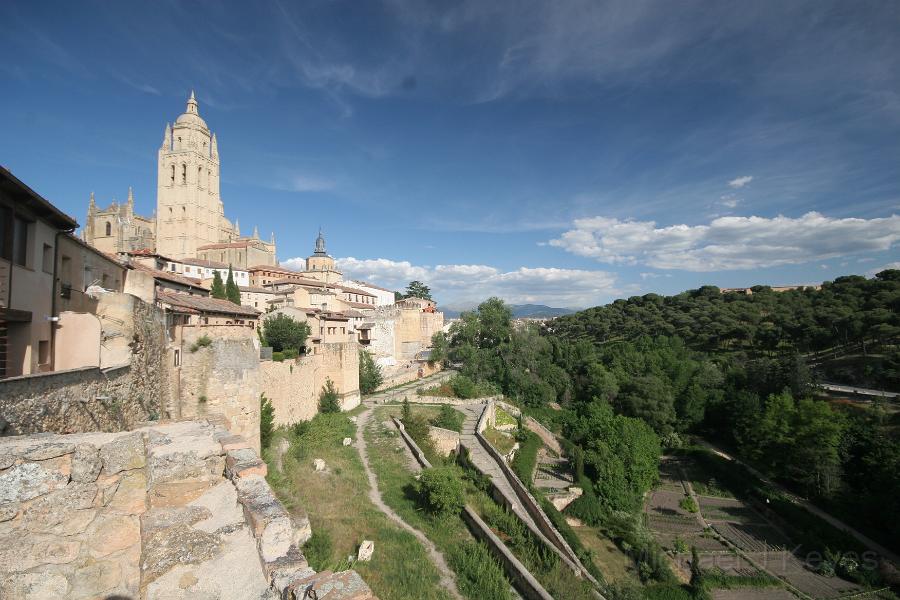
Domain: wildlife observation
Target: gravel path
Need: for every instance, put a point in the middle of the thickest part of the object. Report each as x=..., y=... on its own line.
x=448, y=579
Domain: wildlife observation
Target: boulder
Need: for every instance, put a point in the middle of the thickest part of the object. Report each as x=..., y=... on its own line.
x=366, y=550
x=347, y=441
x=29, y=480
x=86, y=463
x=319, y=465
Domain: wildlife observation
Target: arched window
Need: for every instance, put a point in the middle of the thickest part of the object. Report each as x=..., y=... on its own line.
x=183, y=173
x=108, y=228
x=173, y=174
x=199, y=176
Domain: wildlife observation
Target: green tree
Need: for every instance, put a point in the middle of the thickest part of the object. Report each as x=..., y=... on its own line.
x=328, y=398
x=417, y=289
x=266, y=421
x=232, y=291
x=281, y=332
x=406, y=411
x=218, y=288
x=442, y=491
x=440, y=349
x=370, y=376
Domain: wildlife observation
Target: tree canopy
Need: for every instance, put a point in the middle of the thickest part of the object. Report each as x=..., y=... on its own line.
x=218, y=288
x=232, y=291
x=281, y=332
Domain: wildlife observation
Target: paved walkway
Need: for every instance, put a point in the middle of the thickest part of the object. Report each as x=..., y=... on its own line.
x=448, y=579
x=408, y=390
x=485, y=463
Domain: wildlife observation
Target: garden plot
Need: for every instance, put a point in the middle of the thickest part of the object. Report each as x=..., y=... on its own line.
x=787, y=566
x=664, y=503
x=703, y=543
x=727, y=510
x=751, y=537
x=753, y=594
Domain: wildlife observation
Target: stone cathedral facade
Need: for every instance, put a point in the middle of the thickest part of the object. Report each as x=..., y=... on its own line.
x=190, y=218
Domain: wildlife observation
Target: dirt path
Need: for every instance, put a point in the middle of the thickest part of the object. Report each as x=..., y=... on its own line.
x=448, y=579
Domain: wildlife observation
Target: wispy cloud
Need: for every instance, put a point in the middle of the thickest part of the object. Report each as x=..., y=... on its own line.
x=300, y=182
x=740, y=182
x=729, y=243
x=141, y=87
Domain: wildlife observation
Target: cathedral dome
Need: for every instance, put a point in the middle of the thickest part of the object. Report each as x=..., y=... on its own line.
x=191, y=116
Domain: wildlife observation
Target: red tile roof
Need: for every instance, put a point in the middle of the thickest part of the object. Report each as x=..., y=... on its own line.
x=167, y=276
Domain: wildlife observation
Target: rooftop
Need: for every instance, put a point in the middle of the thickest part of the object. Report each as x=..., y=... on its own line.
x=204, y=304
x=20, y=192
x=167, y=276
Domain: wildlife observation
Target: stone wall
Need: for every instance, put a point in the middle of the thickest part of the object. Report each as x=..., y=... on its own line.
x=177, y=511
x=445, y=440
x=293, y=386
x=221, y=379
x=97, y=399
x=409, y=371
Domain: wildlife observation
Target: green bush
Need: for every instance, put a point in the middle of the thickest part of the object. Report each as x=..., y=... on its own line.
x=266, y=421
x=281, y=332
x=687, y=503
x=278, y=356
x=463, y=387
x=449, y=418
x=289, y=353
x=319, y=550
x=442, y=491
x=203, y=341
x=328, y=398
x=478, y=574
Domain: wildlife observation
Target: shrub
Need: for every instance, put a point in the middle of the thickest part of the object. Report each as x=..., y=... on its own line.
x=328, y=398
x=442, y=491
x=463, y=387
x=406, y=412
x=266, y=421
x=687, y=503
x=203, y=341
x=289, y=353
x=449, y=418
x=319, y=550
x=323, y=431
x=278, y=356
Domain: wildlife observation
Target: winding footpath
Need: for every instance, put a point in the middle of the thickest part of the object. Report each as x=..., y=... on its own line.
x=448, y=579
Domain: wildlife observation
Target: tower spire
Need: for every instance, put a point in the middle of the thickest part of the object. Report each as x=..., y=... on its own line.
x=167, y=138
x=130, y=195
x=192, y=104
x=92, y=205
x=237, y=228
x=214, y=147
x=255, y=232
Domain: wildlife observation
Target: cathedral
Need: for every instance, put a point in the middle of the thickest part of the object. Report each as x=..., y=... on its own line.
x=190, y=218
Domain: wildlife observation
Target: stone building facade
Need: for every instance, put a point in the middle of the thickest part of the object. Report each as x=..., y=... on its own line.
x=117, y=228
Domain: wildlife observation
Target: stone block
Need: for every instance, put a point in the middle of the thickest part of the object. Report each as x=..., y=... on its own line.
x=45, y=451
x=64, y=512
x=22, y=553
x=86, y=463
x=177, y=493
x=319, y=465
x=33, y=586
x=29, y=480
x=130, y=495
x=123, y=453
x=234, y=442
x=366, y=550
x=346, y=585
x=272, y=526
x=96, y=578
x=347, y=441
x=111, y=533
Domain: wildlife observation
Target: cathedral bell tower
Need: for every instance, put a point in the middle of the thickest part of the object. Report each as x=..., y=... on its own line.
x=189, y=211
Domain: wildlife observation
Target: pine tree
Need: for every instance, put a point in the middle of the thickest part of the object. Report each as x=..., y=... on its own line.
x=218, y=288
x=406, y=413
x=232, y=292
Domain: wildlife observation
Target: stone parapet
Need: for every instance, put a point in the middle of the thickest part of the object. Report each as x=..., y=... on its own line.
x=174, y=510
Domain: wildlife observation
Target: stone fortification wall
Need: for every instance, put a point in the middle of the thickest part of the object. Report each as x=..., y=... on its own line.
x=445, y=440
x=547, y=436
x=115, y=397
x=409, y=371
x=222, y=378
x=174, y=511
x=293, y=386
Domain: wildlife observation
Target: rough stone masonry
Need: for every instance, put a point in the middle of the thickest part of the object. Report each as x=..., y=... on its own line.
x=178, y=510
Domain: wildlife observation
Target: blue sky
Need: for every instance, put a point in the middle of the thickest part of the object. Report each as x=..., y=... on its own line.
x=565, y=153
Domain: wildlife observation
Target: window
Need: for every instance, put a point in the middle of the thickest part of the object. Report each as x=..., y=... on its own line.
x=173, y=176
x=20, y=241
x=183, y=172
x=199, y=174
x=88, y=278
x=105, y=281
x=108, y=229
x=48, y=258
x=177, y=358
x=44, y=352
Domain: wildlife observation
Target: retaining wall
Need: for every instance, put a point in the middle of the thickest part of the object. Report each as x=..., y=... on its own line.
x=522, y=577
x=417, y=452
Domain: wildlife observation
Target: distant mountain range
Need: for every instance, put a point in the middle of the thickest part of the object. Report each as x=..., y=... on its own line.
x=519, y=311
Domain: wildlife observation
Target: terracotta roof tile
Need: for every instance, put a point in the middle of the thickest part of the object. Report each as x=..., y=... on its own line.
x=205, y=304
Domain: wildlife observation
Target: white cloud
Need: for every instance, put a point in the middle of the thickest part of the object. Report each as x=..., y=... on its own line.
x=304, y=183
x=892, y=265
x=729, y=201
x=729, y=243
x=740, y=182
x=467, y=284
